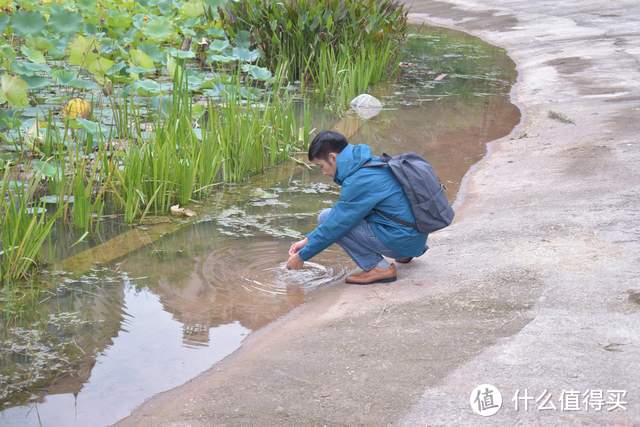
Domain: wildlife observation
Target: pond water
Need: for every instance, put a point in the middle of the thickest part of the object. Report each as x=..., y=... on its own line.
x=105, y=338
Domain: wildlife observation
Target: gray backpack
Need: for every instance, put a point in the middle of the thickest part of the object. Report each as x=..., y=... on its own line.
x=426, y=195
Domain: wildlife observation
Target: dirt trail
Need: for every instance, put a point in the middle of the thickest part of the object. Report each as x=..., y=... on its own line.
x=534, y=287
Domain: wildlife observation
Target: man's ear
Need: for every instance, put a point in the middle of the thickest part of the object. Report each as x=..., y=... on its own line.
x=333, y=156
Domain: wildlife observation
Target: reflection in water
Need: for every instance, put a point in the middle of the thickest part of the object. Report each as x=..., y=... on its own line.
x=206, y=277
x=101, y=344
x=132, y=368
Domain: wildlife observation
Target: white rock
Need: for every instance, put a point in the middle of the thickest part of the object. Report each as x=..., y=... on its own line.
x=366, y=106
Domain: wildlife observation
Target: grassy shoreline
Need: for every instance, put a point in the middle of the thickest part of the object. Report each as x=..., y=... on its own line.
x=139, y=129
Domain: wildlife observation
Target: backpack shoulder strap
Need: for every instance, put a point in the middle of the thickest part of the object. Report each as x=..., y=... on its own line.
x=396, y=219
x=384, y=161
x=374, y=165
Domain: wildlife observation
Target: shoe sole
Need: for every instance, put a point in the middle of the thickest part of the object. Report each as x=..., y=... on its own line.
x=387, y=280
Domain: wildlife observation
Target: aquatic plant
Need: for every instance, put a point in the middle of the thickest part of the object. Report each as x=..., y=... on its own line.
x=313, y=36
x=179, y=162
x=25, y=226
x=339, y=76
x=142, y=117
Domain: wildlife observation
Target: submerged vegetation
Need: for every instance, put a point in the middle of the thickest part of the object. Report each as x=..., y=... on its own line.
x=123, y=109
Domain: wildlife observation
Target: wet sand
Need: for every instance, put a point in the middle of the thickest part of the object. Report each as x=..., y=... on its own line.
x=531, y=288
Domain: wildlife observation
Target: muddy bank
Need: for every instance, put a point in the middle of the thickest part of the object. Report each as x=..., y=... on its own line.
x=531, y=288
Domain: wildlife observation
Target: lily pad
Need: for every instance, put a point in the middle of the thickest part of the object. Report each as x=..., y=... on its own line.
x=177, y=53
x=216, y=33
x=47, y=169
x=54, y=199
x=140, y=70
x=33, y=55
x=141, y=59
x=83, y=84
x=214, y=3
x=98, y=65
x=27, y=23
x=89, y=126
x=158, y=29
x=4, y=21
x=64, y=21
x=40, y=43
x=243, y=39
x=116, y=68
x=221, y=58
x=245, y=55
x=258, y=73
x=79, y=48
x=7, y=52
x=37, y=210
x=192, y=9
x=148, y=86
x=25, y=68
x=63, y=76
x=13, y=90
x=153, y=50
x=36, y=82
x=214, y=92
x=165, y=7
x=59, y=47
x=219, y=45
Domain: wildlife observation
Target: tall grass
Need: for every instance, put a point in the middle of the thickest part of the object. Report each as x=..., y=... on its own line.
x=176, y=164
x=339, y=75
x=126, y=117
x=341, y=47
x=82, y=173
x=25, y=226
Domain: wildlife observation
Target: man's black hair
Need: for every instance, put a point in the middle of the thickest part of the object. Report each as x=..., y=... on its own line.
x=326, y=142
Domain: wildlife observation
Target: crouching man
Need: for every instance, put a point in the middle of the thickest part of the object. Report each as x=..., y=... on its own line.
x=370, y=219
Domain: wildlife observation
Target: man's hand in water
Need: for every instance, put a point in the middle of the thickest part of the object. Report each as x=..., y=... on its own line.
x=297, y=246
x=295, y=262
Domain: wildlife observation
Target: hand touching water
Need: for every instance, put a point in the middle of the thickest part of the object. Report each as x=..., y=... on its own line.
x=295, y=262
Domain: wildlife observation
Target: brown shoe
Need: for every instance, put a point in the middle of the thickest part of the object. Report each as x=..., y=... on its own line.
x=404, y=260
x=375, y=275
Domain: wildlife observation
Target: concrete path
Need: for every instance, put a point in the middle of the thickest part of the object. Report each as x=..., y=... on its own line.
x=535, y=287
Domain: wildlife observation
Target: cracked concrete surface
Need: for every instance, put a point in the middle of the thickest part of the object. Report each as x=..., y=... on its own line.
x=535, y=286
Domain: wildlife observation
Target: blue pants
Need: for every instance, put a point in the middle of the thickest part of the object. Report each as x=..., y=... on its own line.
x=361, y=244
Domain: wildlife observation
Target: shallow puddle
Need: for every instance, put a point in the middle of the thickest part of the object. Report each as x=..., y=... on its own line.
x=100, y=344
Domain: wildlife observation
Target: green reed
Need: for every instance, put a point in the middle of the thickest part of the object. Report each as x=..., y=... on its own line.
x=25, y=226
x=175, y=164
x=82, y=173
x=339, y=46
x=339, y=76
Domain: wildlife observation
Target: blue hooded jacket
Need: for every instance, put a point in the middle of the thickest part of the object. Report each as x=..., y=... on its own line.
x=362, y=190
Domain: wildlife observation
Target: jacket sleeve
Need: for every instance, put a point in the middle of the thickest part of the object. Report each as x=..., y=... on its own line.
x=355, y=202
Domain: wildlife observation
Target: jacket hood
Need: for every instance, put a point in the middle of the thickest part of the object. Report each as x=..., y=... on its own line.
x=350, y=159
